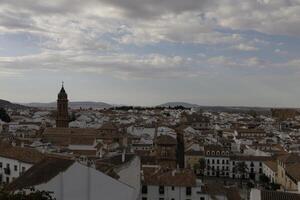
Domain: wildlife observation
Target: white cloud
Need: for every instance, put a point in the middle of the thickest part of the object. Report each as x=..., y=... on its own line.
x=244, y=47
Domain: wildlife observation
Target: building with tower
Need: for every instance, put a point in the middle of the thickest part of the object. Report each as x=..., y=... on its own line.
x=62, y=118
x=165, y=148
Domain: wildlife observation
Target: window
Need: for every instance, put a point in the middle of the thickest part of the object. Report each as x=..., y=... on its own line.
x=213, y=161
x=202, y=198
x=144, y=198
x=173, y=188
x=161, y=190
x=7, y=165
x=7, y=179
x=161, y=199
x=0, y=164
x=188, y=191
x=218, y=161
x=16, y=168
x=144, y=189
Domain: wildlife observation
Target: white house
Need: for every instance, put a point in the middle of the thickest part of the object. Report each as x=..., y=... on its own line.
x=158, y=184
x=16, y=160
x=70, y=180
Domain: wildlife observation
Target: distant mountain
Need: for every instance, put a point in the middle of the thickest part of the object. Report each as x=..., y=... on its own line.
x=8, y=105
x=73, y=105
x=174, y=104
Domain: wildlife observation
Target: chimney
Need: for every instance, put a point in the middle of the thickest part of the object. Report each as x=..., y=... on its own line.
x=173, y=172
x=123, y=156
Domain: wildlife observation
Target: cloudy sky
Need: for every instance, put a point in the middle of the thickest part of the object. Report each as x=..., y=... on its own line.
x=210, y=52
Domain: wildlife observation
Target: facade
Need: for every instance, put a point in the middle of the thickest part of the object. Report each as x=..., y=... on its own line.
x=165, y=147
x=163, y=184
x=217, y=161
x=288, y=172
x=62, y=119
x=220, y=163
x=270, y=170
x=192, y=158
x=251, y=133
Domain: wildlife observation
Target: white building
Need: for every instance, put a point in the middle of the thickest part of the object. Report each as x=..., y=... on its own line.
x=16, y=160
x=270, y=170
x=68, y=179
x=220, y=163
x=159, y=184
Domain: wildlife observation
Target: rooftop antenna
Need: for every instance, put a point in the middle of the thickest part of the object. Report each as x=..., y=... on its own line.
x=62, y=83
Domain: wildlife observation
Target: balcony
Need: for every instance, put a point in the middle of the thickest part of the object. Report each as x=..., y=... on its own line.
x=7, y=171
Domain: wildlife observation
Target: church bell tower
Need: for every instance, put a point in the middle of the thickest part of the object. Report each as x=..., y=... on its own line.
x=62, y=118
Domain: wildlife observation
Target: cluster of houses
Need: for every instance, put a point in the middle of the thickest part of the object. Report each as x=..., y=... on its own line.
x=150, y=154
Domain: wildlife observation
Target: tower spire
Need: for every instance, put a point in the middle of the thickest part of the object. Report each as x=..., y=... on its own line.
x=62, y=119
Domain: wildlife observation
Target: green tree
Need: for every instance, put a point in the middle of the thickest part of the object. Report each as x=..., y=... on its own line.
x=202, y=165
x=37, y=195
x=242, y=169
x=4, y=116
x=264, y=179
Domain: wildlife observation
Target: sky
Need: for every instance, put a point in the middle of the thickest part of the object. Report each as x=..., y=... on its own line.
x=208, y=52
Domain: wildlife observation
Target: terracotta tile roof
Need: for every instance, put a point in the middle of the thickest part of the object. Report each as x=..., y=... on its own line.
x=68, y=131
x=117, y=159
x=148, y=160
x=108, y=126
x=82, y=141
x=215, y=189
x=41, y=172
x=166, y=177
x=192, y=152
x=272, y=164
x=289, y=158
x=293, y=170
x=165, y=140
x=273, y=195
x=27, y=155
x=250, y=158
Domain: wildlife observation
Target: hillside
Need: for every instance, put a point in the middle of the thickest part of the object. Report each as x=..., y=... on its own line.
x=8, y=105
x=73, y=105
x=175, y=104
